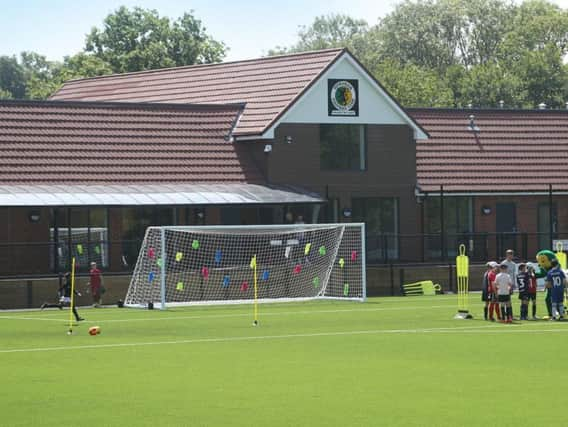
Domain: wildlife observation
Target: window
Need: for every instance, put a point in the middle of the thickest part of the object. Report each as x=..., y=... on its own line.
x=380, y=215
x=458, y=226
x=79, y=233
x=343, y=147
x=135, y=221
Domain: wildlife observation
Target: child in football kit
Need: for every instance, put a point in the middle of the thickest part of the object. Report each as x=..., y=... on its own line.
x=494, y=301
x=504, y=284
x=485, y=290
x=64, y=295
x=556, y=283
x=523, y=281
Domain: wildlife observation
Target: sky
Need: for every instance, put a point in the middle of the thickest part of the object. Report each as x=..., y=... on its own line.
x=56, y=28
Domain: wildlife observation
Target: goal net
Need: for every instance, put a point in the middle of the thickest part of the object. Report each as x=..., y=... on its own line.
x=182, y=265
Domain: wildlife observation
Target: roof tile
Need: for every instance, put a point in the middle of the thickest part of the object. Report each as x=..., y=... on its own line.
x=514, y=150
x=267, y=85
x=88, y=143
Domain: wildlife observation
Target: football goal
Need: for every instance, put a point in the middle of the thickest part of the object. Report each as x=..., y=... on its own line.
x=183, y=265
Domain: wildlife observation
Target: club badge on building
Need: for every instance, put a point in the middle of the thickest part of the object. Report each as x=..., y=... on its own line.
x=343, y=97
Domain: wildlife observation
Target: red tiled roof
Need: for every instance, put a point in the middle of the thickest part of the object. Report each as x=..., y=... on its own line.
x=267, y=85
x=514, y=150
x=87, y=142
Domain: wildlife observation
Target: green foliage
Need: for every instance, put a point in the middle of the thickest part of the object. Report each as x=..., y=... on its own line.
x=335, y=30
x=4, y=94
x=131, y=40
x=426, y=88
x=458, y=52
x=139, y=39
x=12, y=78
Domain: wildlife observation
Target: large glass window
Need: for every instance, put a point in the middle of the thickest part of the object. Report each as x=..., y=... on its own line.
x=380, y=215
x=343, y=147
x=80, y=233
x=458, y=225
x=134, y=224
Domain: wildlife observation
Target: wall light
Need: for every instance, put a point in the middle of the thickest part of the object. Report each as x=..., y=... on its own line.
x=34, y=216
x=486, y=210
x=288, y=139
x=268, y=148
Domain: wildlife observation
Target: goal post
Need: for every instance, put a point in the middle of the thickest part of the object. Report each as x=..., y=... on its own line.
x=185, y=265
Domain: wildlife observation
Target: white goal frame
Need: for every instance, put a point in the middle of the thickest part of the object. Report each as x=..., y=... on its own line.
x=162, y=303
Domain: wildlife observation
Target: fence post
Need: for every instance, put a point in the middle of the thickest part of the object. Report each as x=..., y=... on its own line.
x=451, y=277
x=401, y=276
x=29, y=293
x=392, y=279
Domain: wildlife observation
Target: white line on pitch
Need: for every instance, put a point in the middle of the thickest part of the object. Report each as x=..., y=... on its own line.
x=247, y=338
x=229, y=315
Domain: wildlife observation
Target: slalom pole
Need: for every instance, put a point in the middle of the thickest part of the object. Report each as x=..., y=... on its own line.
x=72, y=297
x=462, y=270
x=253, y=265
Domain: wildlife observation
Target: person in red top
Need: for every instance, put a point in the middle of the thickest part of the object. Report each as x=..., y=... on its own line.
x=494, y=303
x=96, y=284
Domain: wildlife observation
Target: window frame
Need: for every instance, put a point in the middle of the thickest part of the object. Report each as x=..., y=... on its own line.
x=362, y=148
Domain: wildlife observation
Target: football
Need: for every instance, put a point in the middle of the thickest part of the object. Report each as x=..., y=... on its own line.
x=94, y=330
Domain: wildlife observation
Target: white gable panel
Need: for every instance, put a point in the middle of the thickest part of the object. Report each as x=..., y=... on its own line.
x=375, y=106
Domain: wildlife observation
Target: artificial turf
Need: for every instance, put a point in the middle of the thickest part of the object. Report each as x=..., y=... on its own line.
x=387, y=362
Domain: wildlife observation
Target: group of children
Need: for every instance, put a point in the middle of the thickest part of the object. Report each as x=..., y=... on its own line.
x=500, y=280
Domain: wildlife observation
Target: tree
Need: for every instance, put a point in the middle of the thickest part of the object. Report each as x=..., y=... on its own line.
x=326, y=32
x=414, y=86
x=12, y=78
x=439, y=34
x=485, y=85
x=44, y=82
x=139, y=39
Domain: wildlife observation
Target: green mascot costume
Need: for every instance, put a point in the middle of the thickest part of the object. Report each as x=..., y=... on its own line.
x=544, y=259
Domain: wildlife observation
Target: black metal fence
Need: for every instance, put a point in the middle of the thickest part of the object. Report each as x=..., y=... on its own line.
x=480, y=247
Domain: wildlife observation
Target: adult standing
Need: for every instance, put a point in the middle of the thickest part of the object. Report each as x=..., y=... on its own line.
x=96, y=284
x=511, y=266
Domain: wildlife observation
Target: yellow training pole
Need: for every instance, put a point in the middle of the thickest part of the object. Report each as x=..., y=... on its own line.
x=72, y=296
x=561, y=257
x=253, y=266
x=462, y=270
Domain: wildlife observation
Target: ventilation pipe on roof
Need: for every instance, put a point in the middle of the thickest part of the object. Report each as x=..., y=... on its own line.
x=472, y=126
x=542, y=106
x=470, y=105
x=501, y=104
x=567, y=105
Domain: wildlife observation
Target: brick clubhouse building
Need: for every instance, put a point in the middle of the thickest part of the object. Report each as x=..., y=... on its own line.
x=303, y=137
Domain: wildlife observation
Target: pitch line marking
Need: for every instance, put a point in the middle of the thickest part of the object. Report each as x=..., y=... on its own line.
x=229, y=315
x=246, y=338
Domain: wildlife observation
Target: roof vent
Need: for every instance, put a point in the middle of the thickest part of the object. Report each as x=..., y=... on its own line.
x=470, y=105
x=542, y=106
x=472, y=126
x=567, y=105
x=501, y=104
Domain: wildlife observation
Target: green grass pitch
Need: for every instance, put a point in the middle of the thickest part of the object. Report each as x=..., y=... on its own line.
x=388, y=362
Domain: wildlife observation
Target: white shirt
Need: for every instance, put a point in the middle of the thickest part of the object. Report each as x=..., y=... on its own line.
x=511, y=270
x=503, y=281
